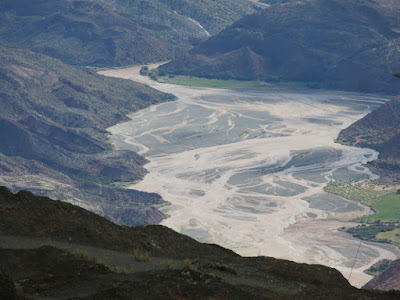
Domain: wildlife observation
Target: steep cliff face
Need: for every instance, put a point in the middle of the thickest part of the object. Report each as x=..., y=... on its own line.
x=58, y=250
x=53, y=140
x=337, y=44
x=114, y=33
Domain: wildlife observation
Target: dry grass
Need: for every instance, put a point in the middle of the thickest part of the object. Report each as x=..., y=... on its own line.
x=187, y=263
x=141, y=256
x=82, y=253
x=170, y=264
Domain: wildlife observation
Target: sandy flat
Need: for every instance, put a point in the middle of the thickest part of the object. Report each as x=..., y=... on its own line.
x=246, y=170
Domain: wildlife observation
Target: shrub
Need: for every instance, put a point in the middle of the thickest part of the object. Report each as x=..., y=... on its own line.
x=141, y=256
x=187, y=263
x=153, y=74
x=82, y=253
x=170, y=264
x=99, y=261
x=144, y=70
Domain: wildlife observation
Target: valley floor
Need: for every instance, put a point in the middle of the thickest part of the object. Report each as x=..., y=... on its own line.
x=246, y=170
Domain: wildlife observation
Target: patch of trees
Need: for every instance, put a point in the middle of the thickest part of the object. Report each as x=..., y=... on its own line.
x=369, y=232
x=379, y=267
x=152, y=73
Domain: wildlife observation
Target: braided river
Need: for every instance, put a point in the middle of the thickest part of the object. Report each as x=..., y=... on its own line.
x=246, y=169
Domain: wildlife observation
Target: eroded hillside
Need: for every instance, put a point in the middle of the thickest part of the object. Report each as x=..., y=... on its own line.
x=53, y=119
x=335, y=44
x=115, y=33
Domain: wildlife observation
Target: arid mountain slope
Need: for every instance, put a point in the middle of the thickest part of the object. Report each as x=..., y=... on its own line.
x=53, y=139
x=336, y=44
x=177, y=266
x=388, y=280
x=378, y=130
x=114, y=33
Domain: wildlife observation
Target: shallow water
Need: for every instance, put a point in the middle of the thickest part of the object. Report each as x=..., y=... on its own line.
x=246, y=170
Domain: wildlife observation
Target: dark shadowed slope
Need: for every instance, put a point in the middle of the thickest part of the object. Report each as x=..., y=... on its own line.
x=339, y=44
x=388, y=280
x=53, y=139
x=379, y=130
x=114, y=33
x=178, y=266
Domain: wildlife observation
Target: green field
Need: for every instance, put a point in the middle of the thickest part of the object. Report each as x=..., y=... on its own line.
x=214, y=83
x=226, y=84
x=362, y=192
x=378, y=268
x=387, y=209
x=393, y=236
x=383, y=199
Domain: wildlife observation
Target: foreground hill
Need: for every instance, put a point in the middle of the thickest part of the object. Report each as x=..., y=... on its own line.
x=335, y=44
x=379, y=130
x=53, y=140
x=53, y=249
x=114, y=33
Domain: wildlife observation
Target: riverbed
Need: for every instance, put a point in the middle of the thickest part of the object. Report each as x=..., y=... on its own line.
x=245, y=169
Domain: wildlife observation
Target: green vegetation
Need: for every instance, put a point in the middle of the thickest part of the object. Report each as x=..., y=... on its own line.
x=213, y=83
x=393, y=236
x=349, y=141
x=387, y=209
x=224, y=83
x=166, y=203
x=99, y=69
x=378, y=268
x=243, y=133
x=144, y=70
x=152, y=73
x=85, y=255
x=367, y=193
x=371, y=232
x=383, y=225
